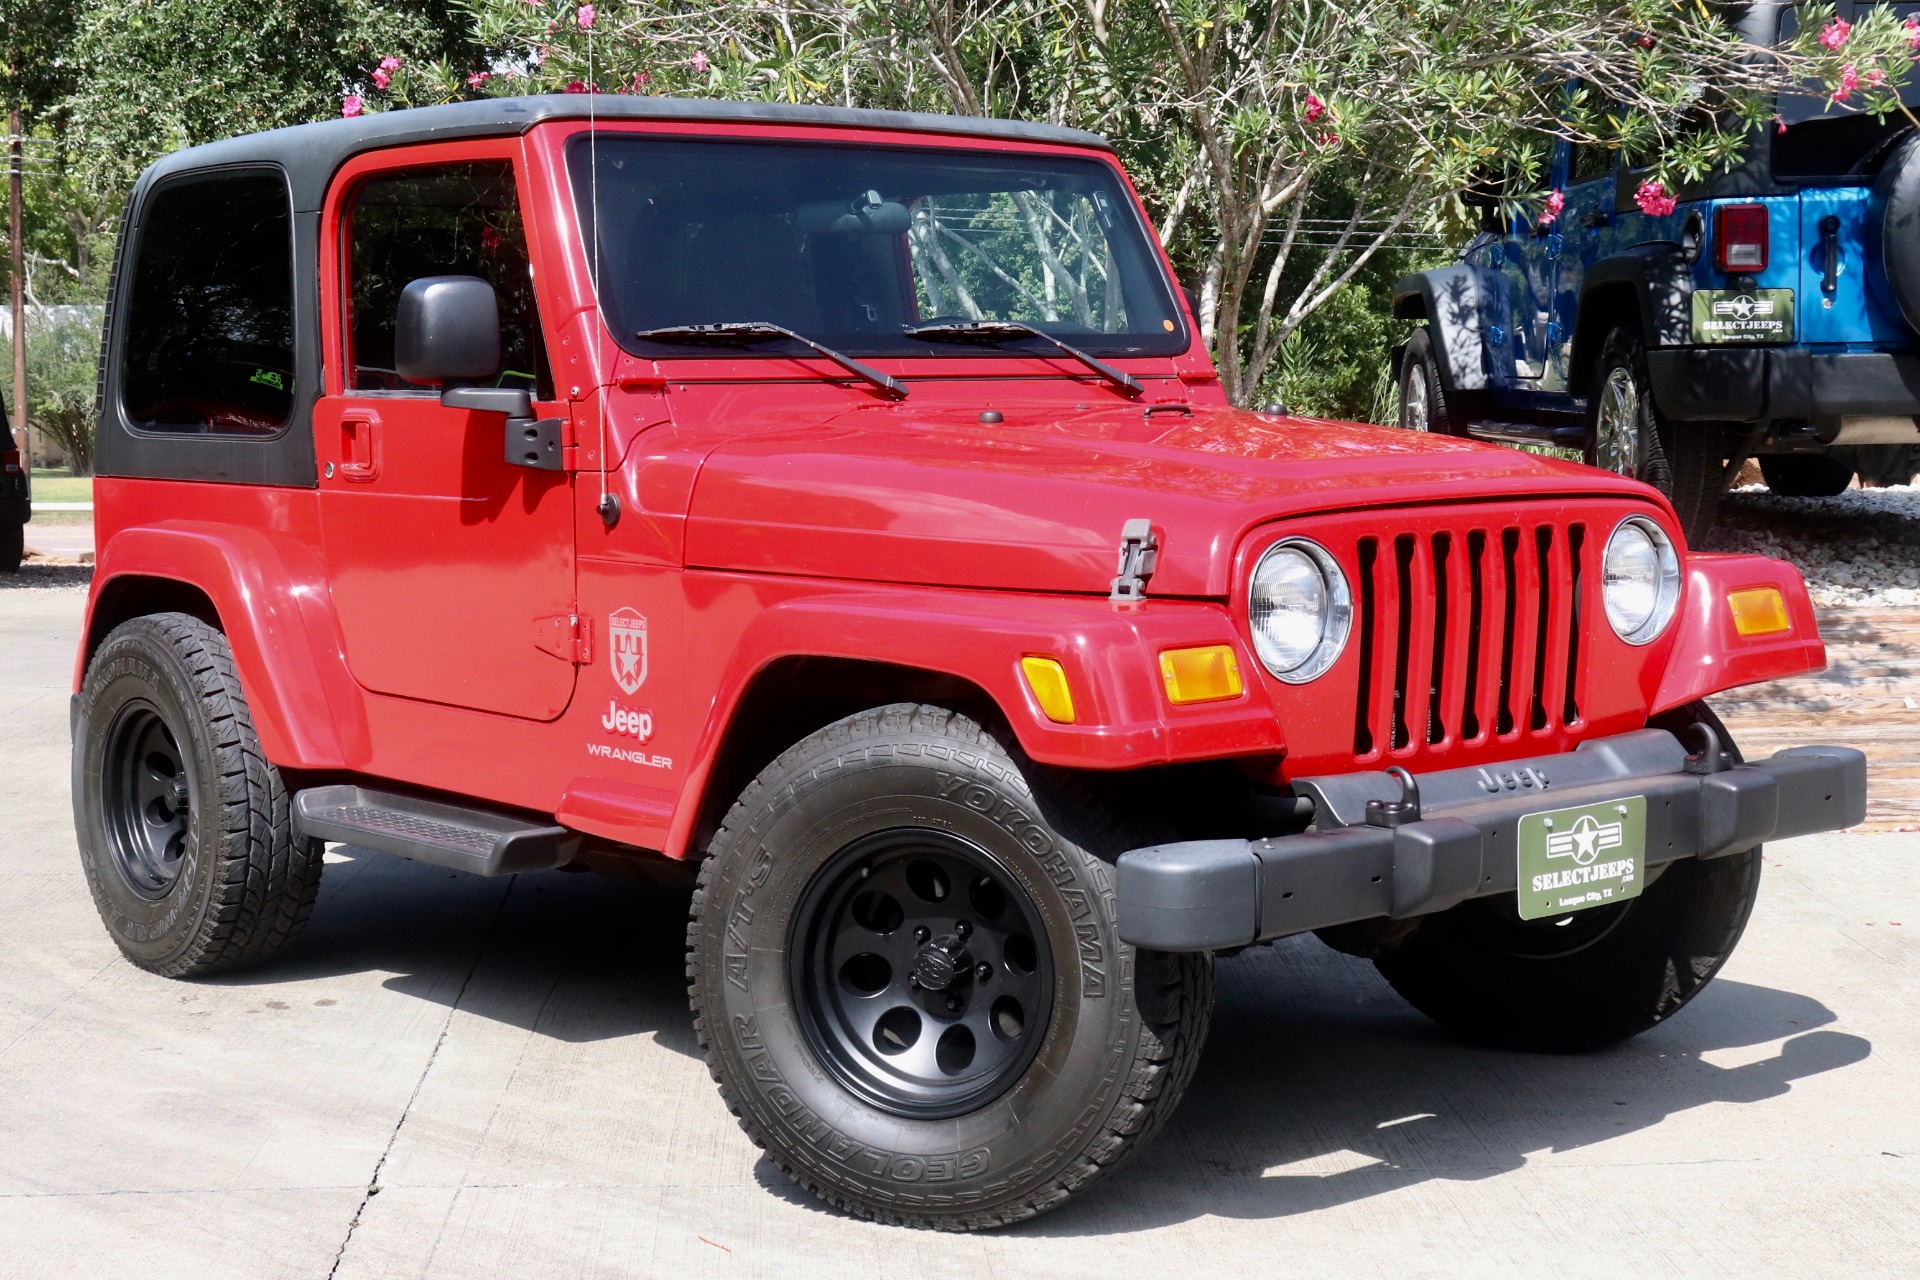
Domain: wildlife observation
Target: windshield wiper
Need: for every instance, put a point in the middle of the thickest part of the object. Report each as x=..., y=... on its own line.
x=740, y=333
x=999, y=330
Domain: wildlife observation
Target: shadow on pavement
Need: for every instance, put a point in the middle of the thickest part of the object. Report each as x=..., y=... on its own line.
x=576, y=957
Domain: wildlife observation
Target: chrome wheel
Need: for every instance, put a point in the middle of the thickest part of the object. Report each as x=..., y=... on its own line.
x=1616, y=432
x=1416, y=410
x=922, y=973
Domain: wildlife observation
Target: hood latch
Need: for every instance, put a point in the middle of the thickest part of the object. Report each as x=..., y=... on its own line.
x=1139, y=551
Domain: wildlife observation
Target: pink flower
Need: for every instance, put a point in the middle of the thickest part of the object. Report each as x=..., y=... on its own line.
x=699, y=62
x=1329, y=139
x=1653, y=199
x=1876, y=77
x=1849, y=81
x=1834, y=34
x=478, y=78
x=1550, y=212
x=1912, y=27
x=389, y=64
x=586, y=17
x=640, y=80
x=1779, y=124
x=1315, y=107
x=381, y=79
x=574, y=86
x=1645, y=41
x=351, y=105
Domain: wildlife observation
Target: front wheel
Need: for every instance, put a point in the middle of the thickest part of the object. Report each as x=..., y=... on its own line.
x=13, y=546
x=1584, y=980
x=905, y=974
x=1424, y=402
x=1630, y=436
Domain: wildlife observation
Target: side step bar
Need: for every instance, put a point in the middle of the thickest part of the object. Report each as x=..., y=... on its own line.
x=442, y=835
x=1564, y=437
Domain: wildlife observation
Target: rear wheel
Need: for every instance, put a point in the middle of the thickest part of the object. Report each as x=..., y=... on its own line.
x=1805, y=475
x=185, y=829
x=905, y=975
x=1584, y=980
x=1686, y=461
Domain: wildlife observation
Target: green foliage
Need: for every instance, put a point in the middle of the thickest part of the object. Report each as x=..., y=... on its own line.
x=62, y=365
x=156, y=75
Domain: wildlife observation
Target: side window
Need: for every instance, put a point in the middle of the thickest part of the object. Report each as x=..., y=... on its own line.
x=1589, y=163
x=454, y=220
x=210, y=314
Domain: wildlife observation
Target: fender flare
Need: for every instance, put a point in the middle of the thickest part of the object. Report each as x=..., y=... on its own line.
x=1454, y=301
x=1661, y=281
x=1710, y=656
x=273, y=604
x=1110, y=655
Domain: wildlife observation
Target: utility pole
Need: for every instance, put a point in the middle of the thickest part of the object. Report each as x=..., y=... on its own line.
x=17, y=268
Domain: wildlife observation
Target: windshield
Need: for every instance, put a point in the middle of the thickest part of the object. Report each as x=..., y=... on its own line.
x=852, y=245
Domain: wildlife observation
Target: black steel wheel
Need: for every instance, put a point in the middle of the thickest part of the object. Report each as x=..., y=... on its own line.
x=905, y=974
x=185, y=828
x=923, y=972
x=146, y=800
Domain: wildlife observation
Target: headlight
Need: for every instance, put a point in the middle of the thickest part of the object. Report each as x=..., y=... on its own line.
x=1300, y=610
x=1641, y=580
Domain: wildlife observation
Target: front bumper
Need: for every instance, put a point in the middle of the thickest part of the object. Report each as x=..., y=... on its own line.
x=1208, y=895
x=1768, y=384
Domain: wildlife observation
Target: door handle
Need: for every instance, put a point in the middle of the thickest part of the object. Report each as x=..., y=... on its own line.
x=360, y=448
x=1830, y=251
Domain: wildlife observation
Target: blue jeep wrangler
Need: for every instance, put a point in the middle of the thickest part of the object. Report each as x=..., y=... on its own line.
x=1773, y=313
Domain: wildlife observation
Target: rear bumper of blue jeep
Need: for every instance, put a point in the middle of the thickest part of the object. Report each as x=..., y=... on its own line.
x=1765, y=384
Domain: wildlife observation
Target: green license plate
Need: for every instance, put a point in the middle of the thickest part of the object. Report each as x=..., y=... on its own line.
x=1742, y=317
x=1571, y=859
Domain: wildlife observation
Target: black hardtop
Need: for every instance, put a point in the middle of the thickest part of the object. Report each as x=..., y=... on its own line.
x=312, y=153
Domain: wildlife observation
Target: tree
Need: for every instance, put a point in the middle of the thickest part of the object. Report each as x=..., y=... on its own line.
x=152, y=76
x=1281, y=146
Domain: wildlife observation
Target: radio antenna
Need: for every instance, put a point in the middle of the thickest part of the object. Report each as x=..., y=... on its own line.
x=609, y=505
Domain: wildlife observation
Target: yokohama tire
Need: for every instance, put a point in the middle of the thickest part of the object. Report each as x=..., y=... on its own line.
x=1685, y=461
x=221, y=880
x=1482, y=972
x=1108, y=1066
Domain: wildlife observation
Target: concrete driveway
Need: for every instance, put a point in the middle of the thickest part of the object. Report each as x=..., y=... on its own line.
x=459, y=1077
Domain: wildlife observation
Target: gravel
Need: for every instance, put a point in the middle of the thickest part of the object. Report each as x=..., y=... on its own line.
x=38, y=575
x=1859, y=548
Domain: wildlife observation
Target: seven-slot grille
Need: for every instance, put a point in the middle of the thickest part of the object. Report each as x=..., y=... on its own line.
x=1468, y=635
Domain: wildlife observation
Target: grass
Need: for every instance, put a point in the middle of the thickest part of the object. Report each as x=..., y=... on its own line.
x=50, y=485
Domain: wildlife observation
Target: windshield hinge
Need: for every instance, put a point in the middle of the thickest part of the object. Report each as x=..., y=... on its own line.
x=1139, y=551
x=568, y=637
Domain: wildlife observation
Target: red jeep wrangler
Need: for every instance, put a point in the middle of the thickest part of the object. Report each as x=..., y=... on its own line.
x=655, y=486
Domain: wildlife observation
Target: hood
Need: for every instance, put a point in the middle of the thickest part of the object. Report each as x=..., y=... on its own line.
x=888, y=495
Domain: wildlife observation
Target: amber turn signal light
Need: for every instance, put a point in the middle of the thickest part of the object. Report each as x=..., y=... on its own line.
x=1048, y=680
x=1759, y=612
x=1208, y=674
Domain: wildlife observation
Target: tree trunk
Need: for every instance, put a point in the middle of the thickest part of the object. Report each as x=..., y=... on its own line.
x=17, y=278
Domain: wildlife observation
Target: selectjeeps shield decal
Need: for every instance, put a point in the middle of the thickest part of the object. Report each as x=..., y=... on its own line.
x=627, y=634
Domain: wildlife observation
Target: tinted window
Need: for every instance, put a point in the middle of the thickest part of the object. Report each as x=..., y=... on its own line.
x=210, y=315
x=460, y=220
x=1589, y=163
x=852, y=244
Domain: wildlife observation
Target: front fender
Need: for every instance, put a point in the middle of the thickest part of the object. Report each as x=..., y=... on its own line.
x=1454, y=301
x=273, y=604
x=1110, y=655
x=1709, y=654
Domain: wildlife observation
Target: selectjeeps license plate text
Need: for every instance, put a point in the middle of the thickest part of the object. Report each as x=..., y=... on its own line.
x=1571, y=859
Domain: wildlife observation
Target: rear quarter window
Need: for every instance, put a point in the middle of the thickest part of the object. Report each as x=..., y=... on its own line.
x=209, y=346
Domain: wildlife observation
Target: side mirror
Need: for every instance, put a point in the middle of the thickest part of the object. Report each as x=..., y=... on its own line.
x=447, y=328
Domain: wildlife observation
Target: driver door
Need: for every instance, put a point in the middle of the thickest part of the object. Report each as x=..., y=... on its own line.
x=452, y=570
